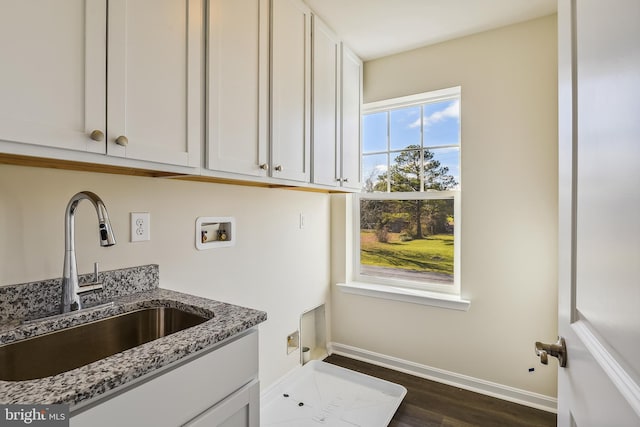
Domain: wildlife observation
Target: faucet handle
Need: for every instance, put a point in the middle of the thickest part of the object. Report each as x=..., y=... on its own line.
x=92, y=286
x=96, y=271
x=89, y=287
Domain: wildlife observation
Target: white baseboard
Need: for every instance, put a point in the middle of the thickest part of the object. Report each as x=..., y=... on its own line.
x=511, y=394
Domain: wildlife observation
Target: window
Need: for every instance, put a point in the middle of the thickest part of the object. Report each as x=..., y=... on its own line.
x=407, y=217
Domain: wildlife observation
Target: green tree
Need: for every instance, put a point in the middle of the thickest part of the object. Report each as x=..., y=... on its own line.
x=405, y=176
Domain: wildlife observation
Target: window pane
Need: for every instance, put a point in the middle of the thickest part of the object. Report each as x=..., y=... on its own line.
x=407, y=239
x=405, y=171
x=405, y=128
x=374, y=172
x=374, y=132
x=442, y=169
x=441, y=123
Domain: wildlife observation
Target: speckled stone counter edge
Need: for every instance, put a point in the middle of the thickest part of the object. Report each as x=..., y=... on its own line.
x=94, y=379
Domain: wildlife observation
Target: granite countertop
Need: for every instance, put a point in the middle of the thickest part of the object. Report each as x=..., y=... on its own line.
x=87, y=382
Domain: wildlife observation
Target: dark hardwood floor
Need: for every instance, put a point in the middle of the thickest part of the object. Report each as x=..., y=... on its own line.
x=429, y=403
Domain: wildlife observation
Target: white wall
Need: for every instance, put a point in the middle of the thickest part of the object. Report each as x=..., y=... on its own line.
x=275, y=266
x=509, y=212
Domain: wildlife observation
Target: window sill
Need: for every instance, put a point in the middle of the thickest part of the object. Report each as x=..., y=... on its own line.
x=415, y=296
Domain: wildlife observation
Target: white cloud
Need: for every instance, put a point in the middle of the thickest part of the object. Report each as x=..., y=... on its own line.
x=448, y=150
x=452, y=111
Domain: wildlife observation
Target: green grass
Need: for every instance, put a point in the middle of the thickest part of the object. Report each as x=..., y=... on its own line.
x=434, y=253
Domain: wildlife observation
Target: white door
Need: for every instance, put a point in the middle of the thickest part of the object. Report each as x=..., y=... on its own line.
x=290, y=89
x=155, y=90
x=241, y=409
x=237, y=90
x=53, y=73
x=326, y=112
x=599, y=271
x=350, y=126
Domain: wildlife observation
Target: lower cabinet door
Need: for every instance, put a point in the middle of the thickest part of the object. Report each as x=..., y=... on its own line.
x=179, y=394
x=240, y=409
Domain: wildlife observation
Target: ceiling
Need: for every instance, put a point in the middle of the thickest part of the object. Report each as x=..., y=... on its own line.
x=376, y=28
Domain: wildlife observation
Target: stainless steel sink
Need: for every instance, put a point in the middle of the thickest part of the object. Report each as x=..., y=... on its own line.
x=70, y=348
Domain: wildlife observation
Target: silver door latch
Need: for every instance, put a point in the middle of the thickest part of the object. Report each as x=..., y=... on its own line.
x=559, y=350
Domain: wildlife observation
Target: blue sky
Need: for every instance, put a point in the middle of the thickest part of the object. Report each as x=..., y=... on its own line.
x=441, y=127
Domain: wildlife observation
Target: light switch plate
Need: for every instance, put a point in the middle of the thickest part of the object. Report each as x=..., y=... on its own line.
x=140, y=226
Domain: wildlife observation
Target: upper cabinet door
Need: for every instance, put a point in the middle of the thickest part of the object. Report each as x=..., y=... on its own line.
x=290, y=89
x=52, y=77
x=238, y=92
x=350, y=125
x=155, y=89
x=325, y=139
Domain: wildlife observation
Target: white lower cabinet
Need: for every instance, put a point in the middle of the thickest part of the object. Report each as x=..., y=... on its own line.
x=217, y=388
x=241, y=409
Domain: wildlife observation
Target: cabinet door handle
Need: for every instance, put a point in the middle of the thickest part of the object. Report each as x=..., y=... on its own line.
x=278, y=168
x=122, y=140
x=264, y=167
x=345, y=179
x=97, y=135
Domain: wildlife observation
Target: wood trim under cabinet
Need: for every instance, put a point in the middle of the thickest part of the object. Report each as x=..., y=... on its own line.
x=41, y=162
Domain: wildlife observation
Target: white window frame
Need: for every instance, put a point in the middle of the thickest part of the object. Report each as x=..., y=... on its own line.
x=447, y=296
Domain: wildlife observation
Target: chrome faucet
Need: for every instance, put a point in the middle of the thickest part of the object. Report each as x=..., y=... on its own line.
x=71, y=290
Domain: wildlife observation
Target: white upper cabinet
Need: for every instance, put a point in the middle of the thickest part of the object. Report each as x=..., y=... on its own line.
x=326, y=105
x=126, y=83
x=290, y=90
x=52, y=77
x=237, y=86
x=55, y=69
x=337, y=97
x=350, y=129
x=155, y=87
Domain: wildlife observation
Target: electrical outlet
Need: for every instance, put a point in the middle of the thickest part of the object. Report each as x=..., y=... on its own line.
x=140, y=226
